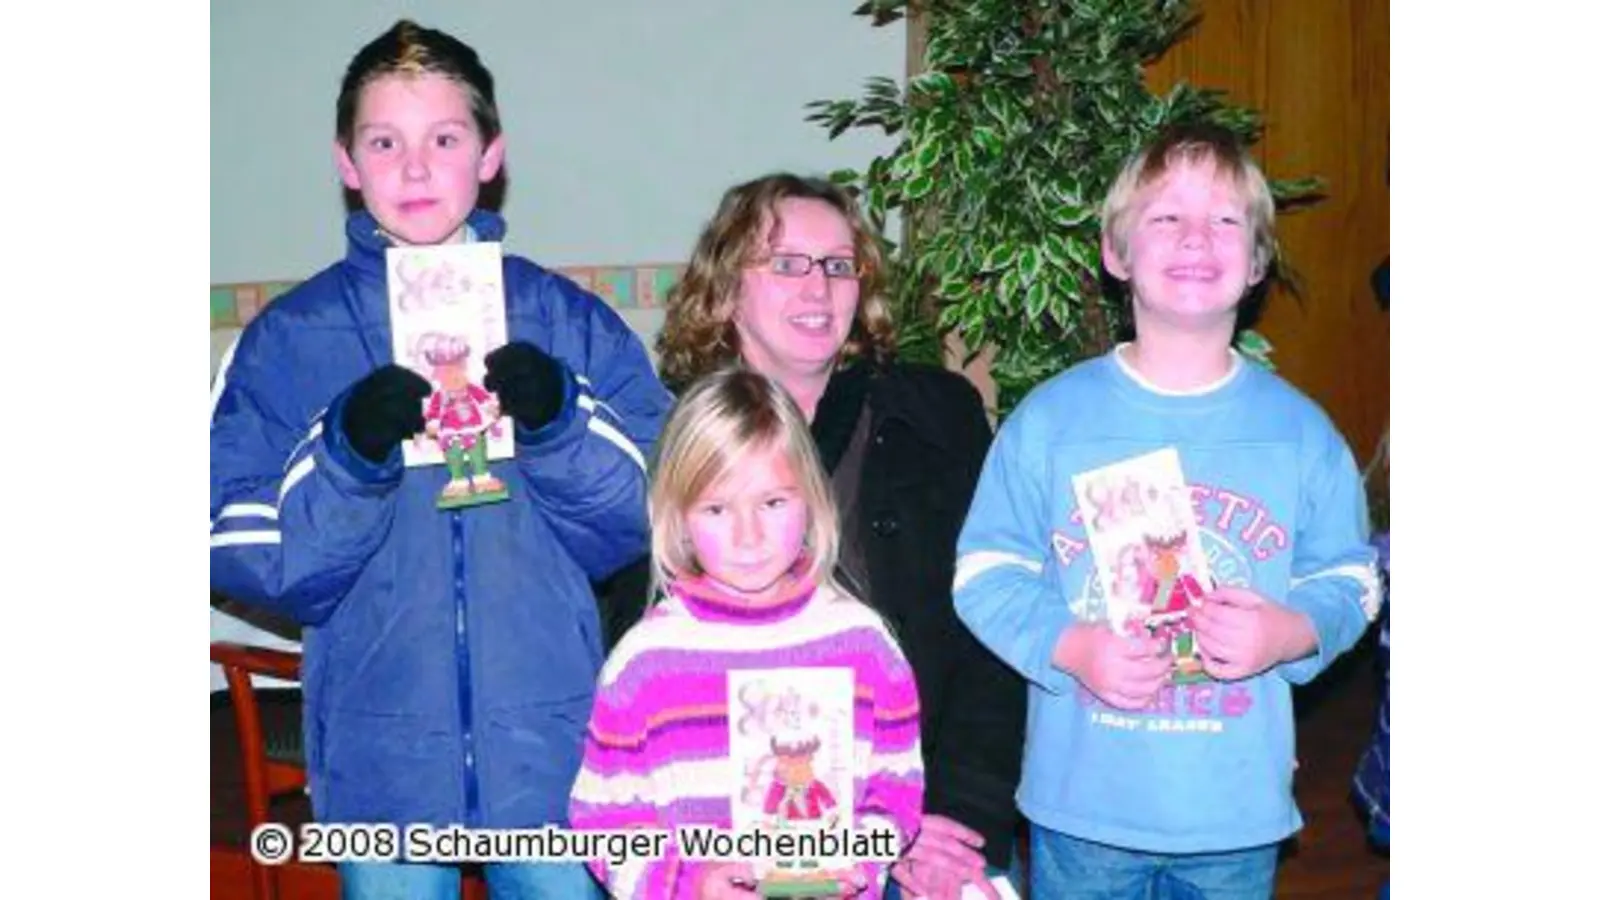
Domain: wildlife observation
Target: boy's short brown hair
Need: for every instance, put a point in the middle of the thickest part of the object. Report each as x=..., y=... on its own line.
x=409, y=49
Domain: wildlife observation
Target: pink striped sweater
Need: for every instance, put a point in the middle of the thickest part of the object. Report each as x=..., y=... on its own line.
x=657, y=756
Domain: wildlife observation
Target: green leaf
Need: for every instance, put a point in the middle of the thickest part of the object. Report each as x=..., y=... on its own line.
x=919, y=186
x=1068, y=191
x=1253, y=345
x=1054, y=248
x=1010, y=287
x=1296, y=188
x=1029, y=261
x=961, y=161
x=1152, y=113
x=1070, y=216
x=934, y=83
x=1067, y=289
x=949, y=315
x=902, y=166
x=949, y=263
x=994, y=105
x=987, y=139
x=1038, y=297
x=999, y=257
x=1085, y=253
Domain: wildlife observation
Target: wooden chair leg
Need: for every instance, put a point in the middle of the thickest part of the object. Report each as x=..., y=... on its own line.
x=247, y=718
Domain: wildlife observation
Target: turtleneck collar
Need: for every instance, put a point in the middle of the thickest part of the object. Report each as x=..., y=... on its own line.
x=707, y=601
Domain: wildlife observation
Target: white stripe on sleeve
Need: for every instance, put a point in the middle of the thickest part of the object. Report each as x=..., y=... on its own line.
x=236, y=538
x=1363, y=574
x=973, y=564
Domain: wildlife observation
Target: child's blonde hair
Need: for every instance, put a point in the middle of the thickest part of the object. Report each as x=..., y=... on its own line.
x=1193, y=145
x=719, y=422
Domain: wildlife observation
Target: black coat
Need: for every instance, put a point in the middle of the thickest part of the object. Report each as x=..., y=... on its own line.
x=928, y=442
x=929, y=439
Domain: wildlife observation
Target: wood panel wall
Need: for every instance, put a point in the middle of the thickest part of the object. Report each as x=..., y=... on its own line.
x=1318, y=71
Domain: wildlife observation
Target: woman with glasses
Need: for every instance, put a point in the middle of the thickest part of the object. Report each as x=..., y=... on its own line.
x=787, y=280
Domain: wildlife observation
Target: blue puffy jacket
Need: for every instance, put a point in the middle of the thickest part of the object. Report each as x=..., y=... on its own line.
x=450, y=657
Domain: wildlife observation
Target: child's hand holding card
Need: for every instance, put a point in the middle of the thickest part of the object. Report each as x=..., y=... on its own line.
x=1146, y=544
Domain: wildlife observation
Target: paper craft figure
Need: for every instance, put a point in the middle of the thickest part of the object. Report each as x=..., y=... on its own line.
x=446, y=312
x=1146, y=545
x=797, y=794
x=1168, y=593
x=461, y=418
x=792, y=740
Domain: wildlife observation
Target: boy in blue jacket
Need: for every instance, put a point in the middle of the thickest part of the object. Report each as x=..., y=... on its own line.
x=1135, y=785
x=450, y=656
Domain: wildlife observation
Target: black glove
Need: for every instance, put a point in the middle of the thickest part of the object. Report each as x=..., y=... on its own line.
x=384, y=409
x=529, y=383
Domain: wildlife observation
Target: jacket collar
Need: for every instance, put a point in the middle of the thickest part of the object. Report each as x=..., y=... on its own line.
x=838, y=411
x=366, y=242
x=892, y=395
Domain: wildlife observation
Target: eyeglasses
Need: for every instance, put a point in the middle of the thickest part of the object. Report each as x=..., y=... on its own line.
x=799, y=265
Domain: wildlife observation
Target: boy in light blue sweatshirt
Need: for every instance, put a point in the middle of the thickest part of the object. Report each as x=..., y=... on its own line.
x=1134, y=785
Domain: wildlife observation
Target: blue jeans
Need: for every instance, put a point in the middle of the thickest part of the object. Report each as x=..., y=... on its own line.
x=426, y=881
x=1066, y=868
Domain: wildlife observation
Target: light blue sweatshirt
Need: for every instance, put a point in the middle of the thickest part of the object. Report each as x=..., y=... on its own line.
x=1209, y=766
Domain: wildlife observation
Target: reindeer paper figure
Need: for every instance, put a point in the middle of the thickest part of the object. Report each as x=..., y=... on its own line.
x=460, y=417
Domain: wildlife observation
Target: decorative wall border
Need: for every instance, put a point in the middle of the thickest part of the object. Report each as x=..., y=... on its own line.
x=645, y=286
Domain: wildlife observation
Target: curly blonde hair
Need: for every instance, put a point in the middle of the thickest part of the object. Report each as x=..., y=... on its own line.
x=699, y=335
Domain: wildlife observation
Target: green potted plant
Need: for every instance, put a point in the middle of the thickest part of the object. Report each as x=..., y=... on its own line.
x=1009, y=137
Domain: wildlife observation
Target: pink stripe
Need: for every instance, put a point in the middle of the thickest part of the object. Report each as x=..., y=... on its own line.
x=687, y=740
x=586, y=816
x=860, y=648
x=895, y=738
